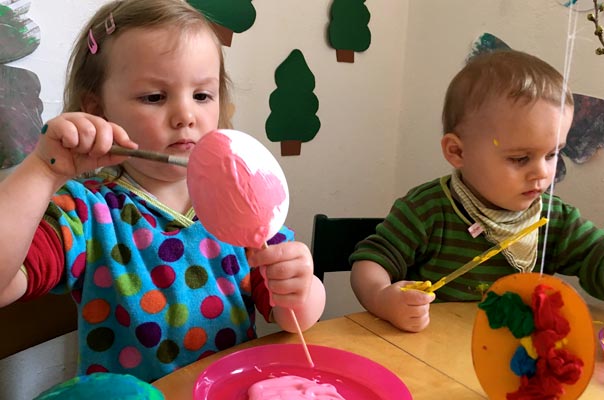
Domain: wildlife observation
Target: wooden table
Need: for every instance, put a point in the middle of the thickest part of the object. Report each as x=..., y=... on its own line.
x=433, y=364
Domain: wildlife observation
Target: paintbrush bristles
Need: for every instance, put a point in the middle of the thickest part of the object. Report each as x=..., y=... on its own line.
x=150, y=155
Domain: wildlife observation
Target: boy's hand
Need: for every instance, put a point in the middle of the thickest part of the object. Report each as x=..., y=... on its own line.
x=74, y=143
x=287, y=269
x=409, y=309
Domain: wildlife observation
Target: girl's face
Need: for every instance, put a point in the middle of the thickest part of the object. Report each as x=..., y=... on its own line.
x=509, y=151
x=162, y=87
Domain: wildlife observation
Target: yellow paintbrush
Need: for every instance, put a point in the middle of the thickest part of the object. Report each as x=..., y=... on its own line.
x=428, y=287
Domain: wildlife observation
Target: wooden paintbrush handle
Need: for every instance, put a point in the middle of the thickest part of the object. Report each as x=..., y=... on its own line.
x=150, y=155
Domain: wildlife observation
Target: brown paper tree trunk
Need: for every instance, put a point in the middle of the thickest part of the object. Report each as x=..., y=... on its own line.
x=291, y=147
x=224, y=34
x=345, y=55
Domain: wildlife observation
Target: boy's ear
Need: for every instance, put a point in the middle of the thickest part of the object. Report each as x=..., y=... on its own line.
x=91, y=104
x=452, y=148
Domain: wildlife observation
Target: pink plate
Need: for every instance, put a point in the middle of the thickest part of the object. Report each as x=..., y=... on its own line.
x=355, y=377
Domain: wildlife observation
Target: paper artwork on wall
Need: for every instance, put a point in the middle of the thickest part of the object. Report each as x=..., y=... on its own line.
x=293, y=105
x=577, y=5
x=228, y=16
x=348, y=29
x=586, y=133
x=20, y=104
x=486, y=43
x=19, y=36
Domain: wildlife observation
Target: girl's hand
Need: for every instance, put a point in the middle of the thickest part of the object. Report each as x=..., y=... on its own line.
x=409, y=309
x=74, y=143
x=287, y=269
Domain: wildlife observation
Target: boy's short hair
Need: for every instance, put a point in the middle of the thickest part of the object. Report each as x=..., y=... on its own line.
x=505, y=73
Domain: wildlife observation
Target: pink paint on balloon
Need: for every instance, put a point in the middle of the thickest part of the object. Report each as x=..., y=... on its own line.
x=237, y=188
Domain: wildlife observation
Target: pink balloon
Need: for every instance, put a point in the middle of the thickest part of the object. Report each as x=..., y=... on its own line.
x=237, y=188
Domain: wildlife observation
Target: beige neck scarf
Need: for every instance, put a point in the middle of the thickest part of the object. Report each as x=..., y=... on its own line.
x=500, y=224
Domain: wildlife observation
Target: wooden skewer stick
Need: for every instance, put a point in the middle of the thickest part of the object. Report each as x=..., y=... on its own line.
x=311, y=363
x=150, y=155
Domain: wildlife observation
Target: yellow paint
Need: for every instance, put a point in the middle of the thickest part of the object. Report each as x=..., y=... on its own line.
x=428, y=287
x=527, y=343
x=561, y=343
x=422, y=286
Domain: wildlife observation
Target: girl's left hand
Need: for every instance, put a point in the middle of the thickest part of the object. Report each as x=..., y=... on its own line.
x=287, y=269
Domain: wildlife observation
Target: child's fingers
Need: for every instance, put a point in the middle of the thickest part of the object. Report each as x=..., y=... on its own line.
x=75, y=131
x=281, y=252
x=417, y=297
x=102, y=140
x=63, y=130
x=417, y=324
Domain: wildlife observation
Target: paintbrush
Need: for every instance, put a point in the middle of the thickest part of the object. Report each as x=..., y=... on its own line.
x=428, y=287
x=150, y=155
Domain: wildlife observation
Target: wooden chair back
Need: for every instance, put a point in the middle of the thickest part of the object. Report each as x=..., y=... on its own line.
x=25, y=324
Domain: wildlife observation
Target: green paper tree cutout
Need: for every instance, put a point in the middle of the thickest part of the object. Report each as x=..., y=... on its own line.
x=293, y=105
x=20, y=105
x=348, y=29
x=228, y=16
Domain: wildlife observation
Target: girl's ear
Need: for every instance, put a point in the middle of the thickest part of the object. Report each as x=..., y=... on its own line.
x=91, y=104
x=452, y=147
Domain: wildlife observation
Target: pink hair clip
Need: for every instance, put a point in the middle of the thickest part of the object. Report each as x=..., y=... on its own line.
x=92, y=45
x=109, y=24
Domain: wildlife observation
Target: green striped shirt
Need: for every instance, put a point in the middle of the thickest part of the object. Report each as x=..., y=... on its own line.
x=425, y=237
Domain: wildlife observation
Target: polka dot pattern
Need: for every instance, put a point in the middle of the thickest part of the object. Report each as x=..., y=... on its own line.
x=100, y=339
x=148, y=334
x=195, y=339
x=163, y=276
x=196, y=277
x=142, y=238
x=171, y=250
x=212, y=307
x=102, y=277
x=96, y=311
x=177, y=315
x=128, y=284
x=130, y=357
x=101, y=214
x=155, y=290
x=209, y=248
x=153, y=302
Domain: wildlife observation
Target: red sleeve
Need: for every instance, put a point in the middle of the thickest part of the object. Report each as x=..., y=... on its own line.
x=45, y=262
x=260, y=294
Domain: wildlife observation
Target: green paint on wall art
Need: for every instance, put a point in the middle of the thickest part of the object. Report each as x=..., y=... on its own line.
x=487, y=43
x=19, y=36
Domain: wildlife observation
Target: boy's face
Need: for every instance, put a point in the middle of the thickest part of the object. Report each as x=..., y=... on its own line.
x=508, y=150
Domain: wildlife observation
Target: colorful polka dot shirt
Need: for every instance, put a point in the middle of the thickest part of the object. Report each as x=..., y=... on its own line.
x=155, y=290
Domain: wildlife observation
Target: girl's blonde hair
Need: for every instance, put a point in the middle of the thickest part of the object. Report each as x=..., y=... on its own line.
x=86, y=72
x=501, y=74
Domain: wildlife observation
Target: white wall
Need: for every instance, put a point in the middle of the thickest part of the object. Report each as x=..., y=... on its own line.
x=380, y=116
